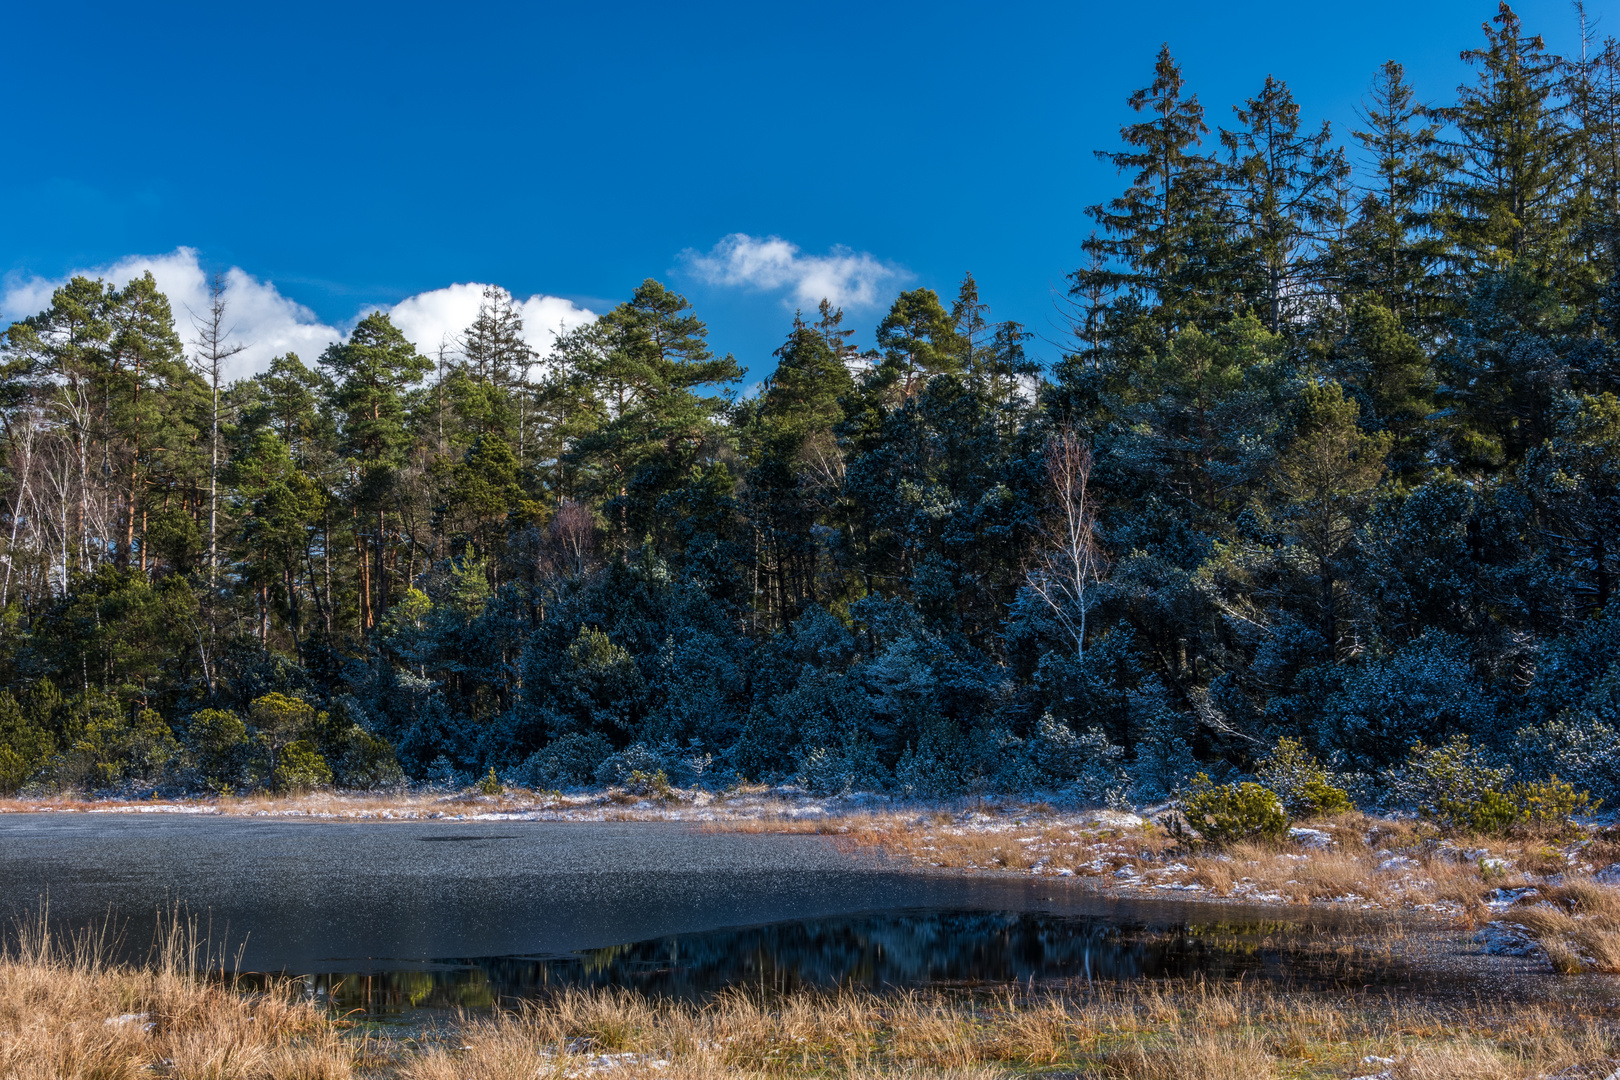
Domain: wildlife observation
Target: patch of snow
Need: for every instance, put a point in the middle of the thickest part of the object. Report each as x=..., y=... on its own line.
x=143, y=1019
x=1506, y=939
x=1311, y=838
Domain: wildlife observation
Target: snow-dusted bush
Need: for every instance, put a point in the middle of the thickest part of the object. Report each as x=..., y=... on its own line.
x=1086, y=763
x=1163, y=758
x=1424, y=693
x=569, y=761
x=681, y=766
x=1582, y=745
x=1300, y=782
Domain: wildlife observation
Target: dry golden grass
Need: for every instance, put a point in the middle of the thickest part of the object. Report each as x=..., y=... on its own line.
x=66, y=1014
x=1185, y=1032
x=55, y=1005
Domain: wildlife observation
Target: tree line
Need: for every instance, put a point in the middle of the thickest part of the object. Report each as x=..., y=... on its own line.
x=1331, y=455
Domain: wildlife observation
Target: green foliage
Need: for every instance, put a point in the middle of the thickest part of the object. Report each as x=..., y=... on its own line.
x=25, y=746
x=491, y=784
x=1304, y=787
x=1550, y=803
x=300, y=767
x=278, y=722
x=109, y=746
x=1226, y=813
x=1454, y=785
x=220, y=741
x=1354, y=455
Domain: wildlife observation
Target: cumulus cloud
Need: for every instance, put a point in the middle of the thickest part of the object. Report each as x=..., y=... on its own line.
x=769, y=264
x=439, y=317
x=261, y=319
x=269, y=324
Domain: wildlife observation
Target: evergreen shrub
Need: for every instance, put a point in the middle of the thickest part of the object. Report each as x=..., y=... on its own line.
x=1304, y=787
x=301, y=768
x=1229, y=813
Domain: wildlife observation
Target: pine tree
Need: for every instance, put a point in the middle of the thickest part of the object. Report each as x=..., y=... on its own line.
x=372, y=373
x=918, y=341
x=644, y=365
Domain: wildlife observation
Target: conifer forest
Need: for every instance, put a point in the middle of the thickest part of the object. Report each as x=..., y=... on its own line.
x=1329, y=452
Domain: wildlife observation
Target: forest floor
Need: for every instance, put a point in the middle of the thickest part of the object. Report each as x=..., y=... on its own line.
x=1551, y=898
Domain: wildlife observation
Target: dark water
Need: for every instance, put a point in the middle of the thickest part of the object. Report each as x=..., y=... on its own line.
x=390, y=917
x=875, y=951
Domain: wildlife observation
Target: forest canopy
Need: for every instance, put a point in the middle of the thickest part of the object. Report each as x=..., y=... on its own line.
x=1331, y=456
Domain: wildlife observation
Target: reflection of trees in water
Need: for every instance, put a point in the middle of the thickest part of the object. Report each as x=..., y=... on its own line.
x=903, y=949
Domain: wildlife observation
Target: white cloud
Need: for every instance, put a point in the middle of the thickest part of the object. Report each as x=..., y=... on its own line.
x=270, y=324
x=847, y=278
x=442, y=315
x=260, y=318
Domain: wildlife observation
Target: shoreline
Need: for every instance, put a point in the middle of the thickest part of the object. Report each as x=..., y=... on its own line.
x=1565, y=886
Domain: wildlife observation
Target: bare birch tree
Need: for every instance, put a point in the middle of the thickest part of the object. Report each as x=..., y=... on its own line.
x=1072, y=563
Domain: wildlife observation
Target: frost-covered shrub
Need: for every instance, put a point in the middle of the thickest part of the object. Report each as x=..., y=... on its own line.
x=1304, y=787
x=654, y=785
x=1087, y=763
x=934, y=766
x=1582, y=744
x=1424, y=693
x=1227, y=813
x=1163, y=758
x=682, y=767
x=839, y=770
x=824, y=711
x=569, y=761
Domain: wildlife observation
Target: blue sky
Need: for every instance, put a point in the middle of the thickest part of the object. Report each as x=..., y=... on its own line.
x=354, y=155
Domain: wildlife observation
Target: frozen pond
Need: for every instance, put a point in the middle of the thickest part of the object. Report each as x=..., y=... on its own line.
x=467, y=913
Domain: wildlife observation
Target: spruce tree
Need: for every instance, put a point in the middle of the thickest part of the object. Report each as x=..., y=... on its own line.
x=1283, y=188
x=1509, y=200
x=1393, y=246
x=1156, y=234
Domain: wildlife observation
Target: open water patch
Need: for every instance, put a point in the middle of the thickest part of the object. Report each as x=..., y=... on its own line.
x=875, y=951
